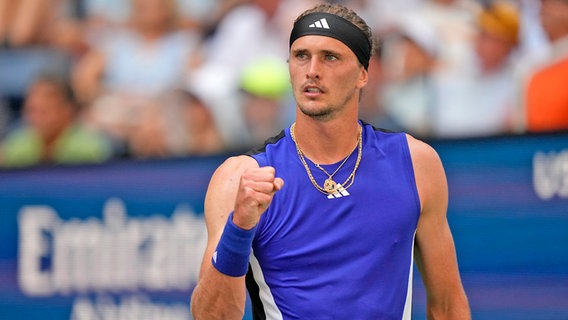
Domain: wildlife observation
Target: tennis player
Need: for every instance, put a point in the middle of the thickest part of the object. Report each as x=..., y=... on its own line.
x=326, y=220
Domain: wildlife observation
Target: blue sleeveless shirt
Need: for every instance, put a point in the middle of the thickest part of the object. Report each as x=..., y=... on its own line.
x=344, y=256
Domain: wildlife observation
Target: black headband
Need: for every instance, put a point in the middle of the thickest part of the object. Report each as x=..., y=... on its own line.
x=331, y=25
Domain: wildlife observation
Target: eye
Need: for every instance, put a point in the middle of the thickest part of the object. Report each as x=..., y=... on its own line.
x=330, y=57
x=301, y=55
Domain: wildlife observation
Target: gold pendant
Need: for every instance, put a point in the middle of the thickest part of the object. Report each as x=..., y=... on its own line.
x=330, y=186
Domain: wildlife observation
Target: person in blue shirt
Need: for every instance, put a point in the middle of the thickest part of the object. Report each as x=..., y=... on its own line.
x=326, y=219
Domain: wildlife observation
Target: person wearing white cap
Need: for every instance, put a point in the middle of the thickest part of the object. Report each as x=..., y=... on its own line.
x=410, y=56
x=482, y=102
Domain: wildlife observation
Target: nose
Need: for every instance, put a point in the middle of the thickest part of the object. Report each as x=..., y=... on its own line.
x=313, y=71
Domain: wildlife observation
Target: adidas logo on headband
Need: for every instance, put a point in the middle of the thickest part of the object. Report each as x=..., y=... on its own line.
x=320, y=24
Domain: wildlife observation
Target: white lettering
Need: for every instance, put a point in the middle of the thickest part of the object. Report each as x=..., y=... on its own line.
x=550, y=174
x=34, y=225
x=115, y=254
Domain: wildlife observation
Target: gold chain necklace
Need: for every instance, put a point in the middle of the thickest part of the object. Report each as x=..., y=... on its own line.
x=330, y=186
x=329, y=183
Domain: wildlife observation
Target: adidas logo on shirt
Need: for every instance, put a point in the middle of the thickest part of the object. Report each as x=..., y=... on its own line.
x=340, y=193
x=320, y=24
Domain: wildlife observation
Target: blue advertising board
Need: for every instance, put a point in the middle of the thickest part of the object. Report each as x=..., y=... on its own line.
x=508, y=212
x=124, y=240
x=117, y=241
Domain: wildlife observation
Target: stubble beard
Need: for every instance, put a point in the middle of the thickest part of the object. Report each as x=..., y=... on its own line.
x=325, y=113
x=328, y=112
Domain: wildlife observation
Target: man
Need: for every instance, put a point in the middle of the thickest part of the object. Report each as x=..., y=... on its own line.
x=410, y=60
x=481, y=102
x=336, y=241
x=265, y=91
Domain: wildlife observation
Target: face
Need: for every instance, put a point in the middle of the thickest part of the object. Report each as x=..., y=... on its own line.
x=153, y=13
x=554, y=18
x=492, y=51
x=405, y=60
x=197, y=115
x=261, y=111
x=326, y=76
x=46, y=110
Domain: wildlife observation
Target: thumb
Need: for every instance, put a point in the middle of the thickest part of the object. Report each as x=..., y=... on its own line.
x=278, y=184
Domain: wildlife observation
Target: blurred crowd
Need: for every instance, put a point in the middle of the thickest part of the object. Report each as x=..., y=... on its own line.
x=92, y=80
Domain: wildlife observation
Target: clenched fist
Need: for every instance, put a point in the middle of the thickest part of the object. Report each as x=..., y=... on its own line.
x=257, y=186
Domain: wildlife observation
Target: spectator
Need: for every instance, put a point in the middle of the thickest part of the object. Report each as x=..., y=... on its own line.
x=265, y=86
x=178, y=124
x=382, y=14
x=410, y=56
x=533, y=42
x=200, y=135
x=83, y=22
x=101, y=15
x=482, y=102
x=546, y=97
x=26, y=22
x=371, y=108
x=26, y=47
x=454, y=24
x=133, y=65
x=51, y=132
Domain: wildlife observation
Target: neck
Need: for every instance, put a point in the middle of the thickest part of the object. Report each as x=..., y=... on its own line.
x=326, y=142
x=49, y=145
x=153, y=33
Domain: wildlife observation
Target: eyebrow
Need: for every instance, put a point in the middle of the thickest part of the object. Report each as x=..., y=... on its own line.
x=296, y=51
x=324, y=52
x=331, y=52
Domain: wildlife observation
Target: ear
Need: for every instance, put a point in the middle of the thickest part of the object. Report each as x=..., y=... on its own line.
x=363, y=78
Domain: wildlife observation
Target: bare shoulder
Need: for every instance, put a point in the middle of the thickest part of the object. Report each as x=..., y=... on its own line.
x=226, y=178
x=428, y=171
x=422, y=153
x=233, y=167
x=222, y=190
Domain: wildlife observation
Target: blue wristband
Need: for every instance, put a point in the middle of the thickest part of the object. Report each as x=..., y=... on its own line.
x=233, y=250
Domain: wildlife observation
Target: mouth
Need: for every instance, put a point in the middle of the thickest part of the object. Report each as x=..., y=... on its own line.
x=313, y=90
